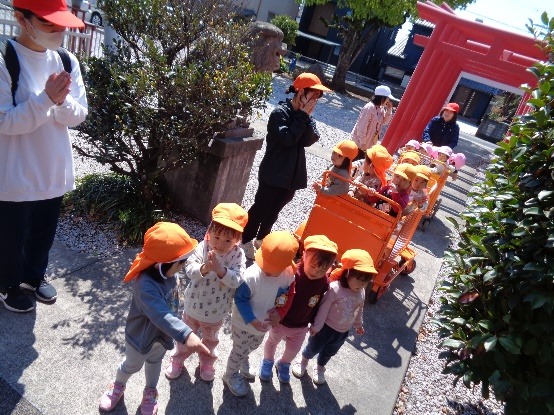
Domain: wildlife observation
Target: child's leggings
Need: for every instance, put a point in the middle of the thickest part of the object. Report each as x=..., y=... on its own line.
x=210, y=339
x=134, y=361
x=244, y=343
x=294, y=337
x=326, y=343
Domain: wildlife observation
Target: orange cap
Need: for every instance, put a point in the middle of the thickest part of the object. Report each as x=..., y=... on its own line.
x=423, y=171
x=277, y=252
x=163, y=242
x=300, y=230
x=405, y=170
x=55, y=11
x=308, y=80
x=346, y=148
x=381, y=160
x=320, y=242
x=357, y=259
x=409, y=155
x=231, y=215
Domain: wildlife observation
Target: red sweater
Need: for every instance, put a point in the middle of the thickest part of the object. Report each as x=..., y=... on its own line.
x=306, y=299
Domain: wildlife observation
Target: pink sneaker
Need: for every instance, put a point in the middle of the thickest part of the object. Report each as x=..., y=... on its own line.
x=111, y=397
x=207, y=372
x=174, y=368
x=149, y=405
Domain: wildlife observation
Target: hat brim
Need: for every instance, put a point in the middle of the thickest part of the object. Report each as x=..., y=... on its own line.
x=60, y=17
x=423, y=176
x=322, y=247
x=366, y=268
x=184, y=256
x=229, y=223
x=319, y=87
x=267, y=267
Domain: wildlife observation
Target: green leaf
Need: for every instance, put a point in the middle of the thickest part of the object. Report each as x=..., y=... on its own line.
x=486, y=324
x=454, y=344
x=490, y=343
x=509, y=345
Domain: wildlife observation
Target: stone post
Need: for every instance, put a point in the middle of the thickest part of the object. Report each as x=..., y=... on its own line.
x=219, y=174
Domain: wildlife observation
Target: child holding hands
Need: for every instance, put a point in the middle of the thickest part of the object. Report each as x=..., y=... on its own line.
x=341, y=309
x=260, y=303
x=151, y=325
x=310, y=286
x=343, y=155
x=215, y=270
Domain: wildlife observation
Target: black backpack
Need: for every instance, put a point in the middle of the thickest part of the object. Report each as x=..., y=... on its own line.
x=12, y=63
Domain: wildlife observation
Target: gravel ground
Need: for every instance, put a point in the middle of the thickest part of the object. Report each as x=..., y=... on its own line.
x=425, y=390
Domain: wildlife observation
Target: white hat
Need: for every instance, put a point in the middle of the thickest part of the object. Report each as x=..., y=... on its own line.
x=384, y=91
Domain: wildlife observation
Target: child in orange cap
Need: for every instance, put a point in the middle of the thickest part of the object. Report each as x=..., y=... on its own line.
x=418, y=195
x=371, y=172
x=215, y=269
x=397, y=190
x=260, y=302
x=310, y=283
x=152, y=324
x=342, y=157
x=340, y=310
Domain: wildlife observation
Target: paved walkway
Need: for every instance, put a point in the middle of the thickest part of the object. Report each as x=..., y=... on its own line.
x=59, y=359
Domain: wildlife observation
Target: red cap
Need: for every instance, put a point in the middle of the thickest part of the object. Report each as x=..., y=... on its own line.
x=452, y=106
x=55, y=11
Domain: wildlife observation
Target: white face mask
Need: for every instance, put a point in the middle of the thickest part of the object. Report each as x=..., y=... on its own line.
x=47, y=40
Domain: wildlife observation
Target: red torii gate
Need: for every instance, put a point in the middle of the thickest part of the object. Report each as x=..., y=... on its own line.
x=458, y=45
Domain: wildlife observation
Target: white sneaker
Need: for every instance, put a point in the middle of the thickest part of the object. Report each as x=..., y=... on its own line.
x=318, y=375
x=249, y=250
x=298, y=369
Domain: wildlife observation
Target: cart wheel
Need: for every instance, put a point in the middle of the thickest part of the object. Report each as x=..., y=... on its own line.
x=409, y=268
x=372, y=298
x=424, y=223
x=436, y=207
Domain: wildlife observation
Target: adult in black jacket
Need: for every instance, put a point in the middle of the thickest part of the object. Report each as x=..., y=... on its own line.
x=443, y=130
x=283, y=168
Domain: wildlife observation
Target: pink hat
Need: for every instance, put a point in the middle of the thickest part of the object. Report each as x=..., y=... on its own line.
x=458, y=159
x=414, y=143
x=445, y=150
x=429, y=149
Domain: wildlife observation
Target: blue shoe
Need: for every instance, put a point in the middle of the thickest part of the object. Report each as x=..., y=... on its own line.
x=266, y=370
x=283, y=372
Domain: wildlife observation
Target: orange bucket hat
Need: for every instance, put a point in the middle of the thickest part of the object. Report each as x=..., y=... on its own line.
x=277, y=252
x=320, y=242
x=381, y=160
x=357, y=259
x=163, y=242
x=409, y=155
x=405, y=170
x=231, y=215
x=423, y=171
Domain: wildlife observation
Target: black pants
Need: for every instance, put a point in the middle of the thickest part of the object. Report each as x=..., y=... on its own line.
x=28, y=230
x=268, y=202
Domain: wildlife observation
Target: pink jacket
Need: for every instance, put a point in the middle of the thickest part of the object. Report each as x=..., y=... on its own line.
x=341, y=308
x=369, y=124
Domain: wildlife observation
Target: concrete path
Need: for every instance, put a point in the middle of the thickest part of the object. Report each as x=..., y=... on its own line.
x=59, y=358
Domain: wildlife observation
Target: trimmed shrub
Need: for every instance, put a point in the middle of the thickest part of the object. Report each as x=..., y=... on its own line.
x=288, y=26
x=497, y=313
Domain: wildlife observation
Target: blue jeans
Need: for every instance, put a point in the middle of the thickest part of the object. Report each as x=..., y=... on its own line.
x=28, y=230
x=326, y=343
